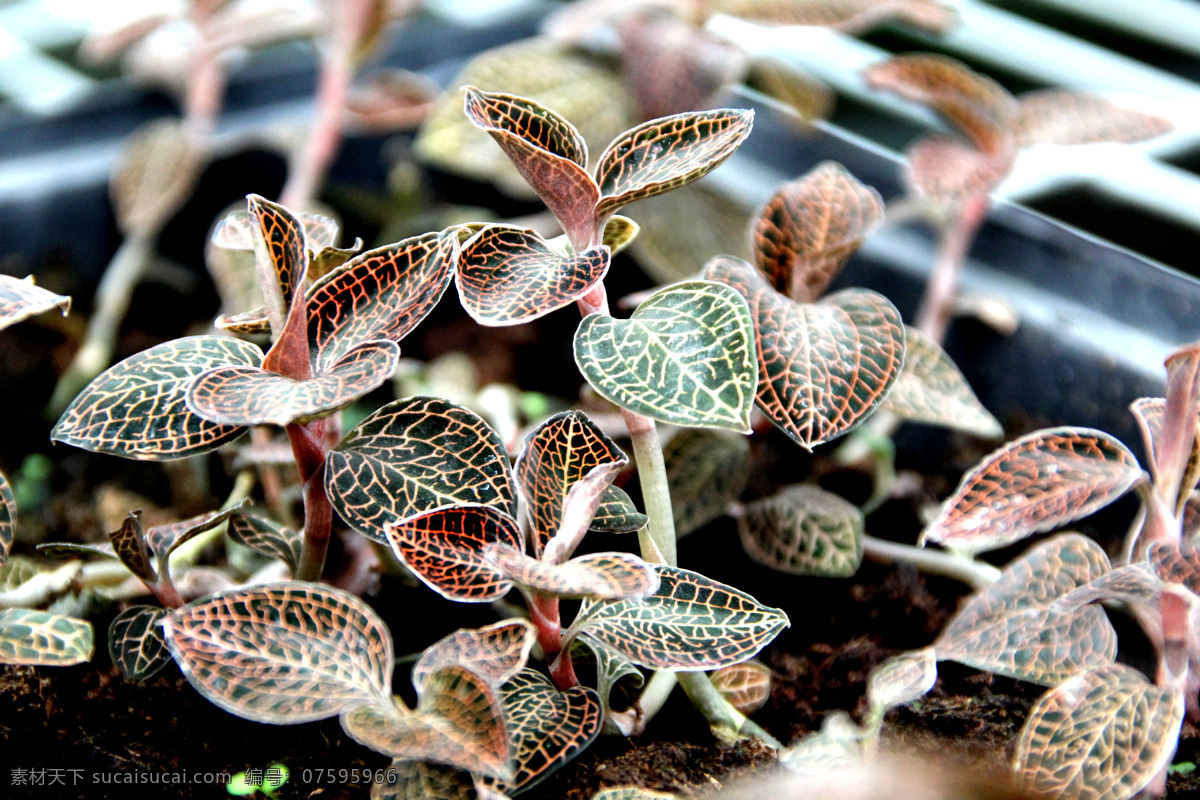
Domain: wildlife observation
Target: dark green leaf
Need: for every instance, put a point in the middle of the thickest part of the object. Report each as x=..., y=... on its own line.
x=164, y=539
x=706, y=470
x=136, y=644
x=130, y=546
x=804, y=530
x=617, y=513
x=8, y=518
x=612, y=667
x=249, y=527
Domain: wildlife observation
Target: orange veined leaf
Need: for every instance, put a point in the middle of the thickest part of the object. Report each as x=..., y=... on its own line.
x=579, y=511
x=281, y=239
x=253, y=529
x=949, y=172
x=746, y=686
x=39, y=638
x=601, y=576
x=495, y=652
x=1034, y=484
x=21, y=299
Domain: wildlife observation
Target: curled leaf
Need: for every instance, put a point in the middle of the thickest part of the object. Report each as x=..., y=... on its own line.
x=495, y=652
x=8, y=518
x=595, y=575
x=251, y=528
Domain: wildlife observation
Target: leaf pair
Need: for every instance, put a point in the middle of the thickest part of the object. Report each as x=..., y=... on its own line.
x=650, y=159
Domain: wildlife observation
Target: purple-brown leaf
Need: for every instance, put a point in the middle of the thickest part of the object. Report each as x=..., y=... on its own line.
x=1055, y=116
x=508, y=275
x=950, y=172
x=1034, y=484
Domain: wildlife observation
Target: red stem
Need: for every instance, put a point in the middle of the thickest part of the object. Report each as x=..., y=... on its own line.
x=309, y=448
x=937, y=306
x=543, y=612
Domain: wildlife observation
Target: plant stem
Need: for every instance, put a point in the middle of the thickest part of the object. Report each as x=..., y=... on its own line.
x=975, y=574
x=717, y=710
x=309, y=448
x=937, y=306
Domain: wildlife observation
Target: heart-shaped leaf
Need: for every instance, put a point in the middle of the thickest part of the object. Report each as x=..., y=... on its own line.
x=546, y=149
x=804, y=530
x=975, y=104
x=901, y=679
x=930, y=389
x=251, y=528
x=807, y=230
x=1033, y=484
x=822, y=367
x=690, y=623
x=136, y=644
x=558, y=454
x=617, y=513
x=413, y=456
x=137, y=408
x=706, y=471
x=459, y=721
x=611, y=667
x=949, y=172
x=746, y=686
x=380, y=294
x=495, y=652
x=596, y=575
x=284, y=654
x=283, y=249
x=508, y=275
x=130, y=546
x=667, y=153
x=1055, y=116
x=1104, y=734
x=445, y=548
x=1013, y=627
x=21, y=299
x=422, y=780
x=8, y=518
x=547, y=727
x=253, y=396
x=686, y=357
x=41, y=639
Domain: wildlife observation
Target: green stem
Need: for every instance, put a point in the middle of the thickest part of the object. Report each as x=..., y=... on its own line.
x=717, y=710
x=975, y=574
x=657, y=539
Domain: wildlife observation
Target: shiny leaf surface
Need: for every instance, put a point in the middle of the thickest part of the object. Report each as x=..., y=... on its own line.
x=136, y=409
x=1103, y=735
x=746, y=686
x=822, y=367
x=1033, y=484
x=130, y=546
x=495, y=652
x=617, y=513
x=804, y=530
x=445, y=548
x=690, y=623
x=21, y=299
x=136, y=644
x=282, y=236
x=706, y=471
x=283, y=654
x=508, y=275
x=38, y=638
x=686, y=357
x=413, y=456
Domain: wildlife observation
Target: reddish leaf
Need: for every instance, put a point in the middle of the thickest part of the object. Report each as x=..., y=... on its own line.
x=950, y=172
x=603, y=576
x=285, y=251
x=579, y=511
x=21, y=299
x=975, y=104
x=547, y=151
x=413, y=456
x=380, y=294
x=746, y=686
x=808, y=229
x=822, y=367
x=1177, y=565
x=393, y=100
x=508, y=275
x=1055, y=116
x=251, y=396
x=562, y=451
x=495, y=652
x=667, y=153
x=1034, y=484
x=1148, y=411
x=445, y=548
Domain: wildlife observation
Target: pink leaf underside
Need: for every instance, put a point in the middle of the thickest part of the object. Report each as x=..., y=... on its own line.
x=546, y=149
x=579, y=510
x=950, y=172
x=1054, y=116
x=604, y=576
x=1176, y=565
x=1148, y=411
x=495, y=652
x=238, y=395
x=509, y=275
x=976, y=105
x=1034, y=484
x=445, y=548
x=822, y=367
x=807, y=230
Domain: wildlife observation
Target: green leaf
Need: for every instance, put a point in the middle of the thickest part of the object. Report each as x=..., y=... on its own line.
x=421, y=780
x=666, y=153
x=1013, y=627
x=546, y=149
x=251, y=528
x=8, y=518
x=595, y=575
x=612, y=667
x=706, y=471
x=380, y=294
x=21, y=299
x=1033, y=484
x=495, y=652
x=557, y=455
x=617, y=513
x=822, y=367
x=285, y=653
x=745, y=686
x=901, y=679
x=619, y=233
x=807, y=230
x=137, y=409
x=508, y=275
x=632, y=793
x=445, y=548
x=413, y=456
x=136, y=644
x=1104, y=734
x=804, y=530
x=690, y=623
x=547, y=727
x=930, y=389
x=41, y=639
x=686, y=357
x=459, y=721
x=252, y=396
